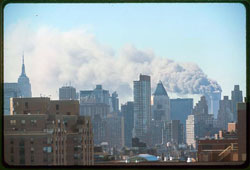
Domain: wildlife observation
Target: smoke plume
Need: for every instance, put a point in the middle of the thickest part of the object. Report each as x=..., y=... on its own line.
x=53, y=58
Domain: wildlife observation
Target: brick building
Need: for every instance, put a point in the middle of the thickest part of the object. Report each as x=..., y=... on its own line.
x=44, y=132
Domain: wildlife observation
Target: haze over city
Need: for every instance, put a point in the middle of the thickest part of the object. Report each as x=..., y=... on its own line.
x=125, y=84
x=191, y=48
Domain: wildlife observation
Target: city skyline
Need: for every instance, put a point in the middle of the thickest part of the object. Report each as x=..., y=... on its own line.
x=83, y=53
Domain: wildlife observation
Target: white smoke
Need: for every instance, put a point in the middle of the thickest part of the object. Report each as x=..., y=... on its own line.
x=53, y=58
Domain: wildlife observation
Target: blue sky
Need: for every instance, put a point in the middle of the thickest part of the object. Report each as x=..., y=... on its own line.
x=209, y=35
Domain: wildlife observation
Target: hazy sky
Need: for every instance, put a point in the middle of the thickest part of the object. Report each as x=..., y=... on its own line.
x=191, y=47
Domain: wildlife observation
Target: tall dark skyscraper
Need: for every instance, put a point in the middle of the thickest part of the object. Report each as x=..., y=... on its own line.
x=24, y=83
x=236, y=98
x=114, y=102
x=142, y=108
x=128, y=114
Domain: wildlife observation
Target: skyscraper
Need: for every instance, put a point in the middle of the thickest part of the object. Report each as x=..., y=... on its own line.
x=24, y=83
x=203, y=120
x=190, y=131
x=67, y=93
x=225, y=114
x=142, y=108
x=213, y=100
x=236, y=98
x=114, y=102
x=128, y=114
x=10, y=90
x=20, y=89
x=180, y=109
x=161, y=106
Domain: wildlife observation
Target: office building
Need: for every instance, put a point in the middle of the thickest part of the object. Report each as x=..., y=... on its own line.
x=225, y=114
x=142, y=108
x=67, y=93
x=213, y=100
x=161, y=106
x=128, y=114
x=24, y=83
x=236, y=98
x=203, y=120
x=190, y=131
x=114, y=102
x=10, y=90
x=41, y=131
x=20, y=89
x=242, y=130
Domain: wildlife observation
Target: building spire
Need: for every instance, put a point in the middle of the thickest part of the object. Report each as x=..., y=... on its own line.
x=23, y=67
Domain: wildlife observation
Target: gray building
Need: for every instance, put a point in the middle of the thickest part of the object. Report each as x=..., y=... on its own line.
x=174, y=132
x=24, y=83
x=161, y=106
x=180, y=109
x=11, y=90
x=128, y=114
x=213, y=100
x=20, y=89
x=114, y=102
x=67, y=93
x=236, y=98
x=203, y=120
x=190, y=131
x=225, y=114
x=142, y=108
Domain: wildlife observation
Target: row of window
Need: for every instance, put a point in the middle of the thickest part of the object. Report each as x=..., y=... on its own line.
x=13, y=121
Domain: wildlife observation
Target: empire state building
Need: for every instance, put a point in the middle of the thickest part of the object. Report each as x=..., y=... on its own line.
x=24, y=83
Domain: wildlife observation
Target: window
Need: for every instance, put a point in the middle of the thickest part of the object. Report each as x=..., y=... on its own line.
x=26, y=105
x=57, y=107
x=32, y=149
x=11, y=141
x=33, y=122
x=13, y=122
x=11, y=158
x=31, y=140
x=22, y=122
x=11, y=150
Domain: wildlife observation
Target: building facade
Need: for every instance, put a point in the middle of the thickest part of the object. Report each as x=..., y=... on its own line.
x=44, y=132
x=67, y=93
x=128, y=115
x=20, y=89
x=142, y=108
x=225, y=114
x=190, y=131
x=236, y=98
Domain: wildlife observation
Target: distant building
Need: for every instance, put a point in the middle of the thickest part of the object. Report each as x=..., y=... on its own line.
x=180, y=109
x=20, y=89
x=10, y=90
x=24, y=83
x=213, y=100
x=128, y=114
x=236, y=98
x=190, y=131
x=142, y=108
x=41, y=131
x=174, y=132
x=203, y=120
x=161, y=106
x=100, y=95
x=161, y=113
x=114, y=102
x=115, y=131
x=225, y=114
x=67, y=93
